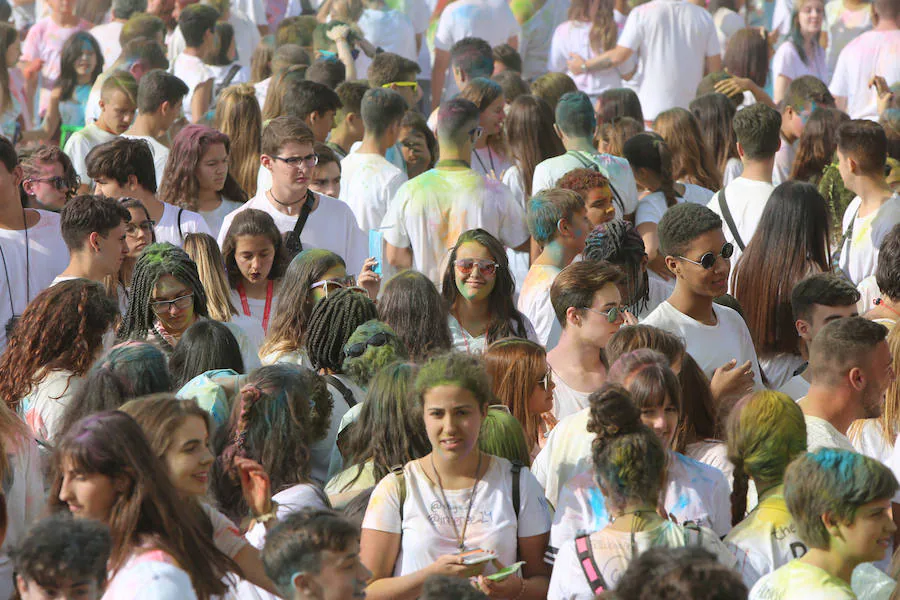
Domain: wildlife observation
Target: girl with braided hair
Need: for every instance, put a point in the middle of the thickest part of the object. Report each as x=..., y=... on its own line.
x=765, y=432
x=51, y=349
x=630, y=467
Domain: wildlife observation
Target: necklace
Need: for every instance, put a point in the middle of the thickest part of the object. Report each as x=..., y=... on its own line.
x=460, y=536
x=272, y=194
x=490, y=173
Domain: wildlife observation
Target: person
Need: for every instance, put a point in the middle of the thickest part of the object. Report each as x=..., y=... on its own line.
x=14, y=113
x=45, y=366
x=715, y=116
x=280, y=412
x=507, y=59
x=856, y=63
x=314, y=553
x=399, y=74
x=875, y=436
x=629, y=462
x=205, y=346
x=327, y=71
x=477, y=287
x=453, y=193
x=558, y=223
x=197, y=23
x=312, y=102
x=502, y=435
x=687, y=572
x=756, y=129
x=862, y=152
x=117, y=105
x=523, y=382
x=747, y=57
x=887, y=297
x=692, y=161
x=123, y=168
x=454, y=392
x=791, y=243
x=62, y=556
x=239, y=117
x=326, y=176
x=765, y=433
x=817, y=145
x=80, y=64
x=368, y=181
x=287, y=154
x=349, y=127
x=107, y=34
x=157, y=541
x=418, y=144
x=94, y=230
x=489, y=154
x=48, y=177
x=594, y=188
x=830, y=493
x=801, y=54
x=550, y=87
x=691, y=237
x=159, y=98
x=690, y=42
x=803, y=95
x=196, y=176
x=575, y=125
x=468, y=58
x=412, y=306
x=850, y=368
x=280, y=59
x=223, y=61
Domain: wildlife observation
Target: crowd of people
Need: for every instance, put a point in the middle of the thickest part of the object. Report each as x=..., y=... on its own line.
x=450, y=299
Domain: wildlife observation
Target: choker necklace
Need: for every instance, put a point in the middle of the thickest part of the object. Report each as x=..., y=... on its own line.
x=272, y=194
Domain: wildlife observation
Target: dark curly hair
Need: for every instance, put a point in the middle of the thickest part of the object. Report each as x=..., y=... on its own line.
x=332, y=322
x=682, y=224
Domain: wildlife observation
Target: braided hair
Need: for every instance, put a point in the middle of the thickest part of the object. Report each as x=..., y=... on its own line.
x=155, y=261
x=333, y=321
x=619, y=243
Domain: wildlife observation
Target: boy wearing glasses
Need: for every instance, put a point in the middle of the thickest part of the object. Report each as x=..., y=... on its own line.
x=691, y=238
x=50, y=178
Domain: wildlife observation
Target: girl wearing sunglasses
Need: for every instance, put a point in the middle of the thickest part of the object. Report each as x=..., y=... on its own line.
x=478, y=288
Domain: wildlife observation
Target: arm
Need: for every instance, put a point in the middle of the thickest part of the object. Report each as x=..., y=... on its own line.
x=252, y=568
x=738, y=85
x=780, y=88
x=438, y=74
x=52, y=118
x=536, y=573
x=607, y=60
x=201, y=100
x=399, y=258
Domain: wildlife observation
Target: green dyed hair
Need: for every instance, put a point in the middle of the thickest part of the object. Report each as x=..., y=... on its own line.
x=765, y=433
x=155, y=261
x=835, y=482
x=502, y=435
x=362, y=368
x=457, y=369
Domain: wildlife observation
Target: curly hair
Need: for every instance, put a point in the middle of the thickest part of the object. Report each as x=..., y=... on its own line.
x=619, y=243
x=691, y=159
x=458, y=369
x=363, y=367
x=280, y=412
x=252, y=222
x=682, y=224
x=582, y=181
x=332, y=322
x=62, y=328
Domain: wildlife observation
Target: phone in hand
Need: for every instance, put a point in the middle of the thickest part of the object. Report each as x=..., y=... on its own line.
x=478, y=556
x=376, y=248
x=504, y=573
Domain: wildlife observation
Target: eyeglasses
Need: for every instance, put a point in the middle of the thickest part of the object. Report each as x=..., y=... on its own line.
x=546, y=381
x=164, y=306
x=612, y=315
x=131, y=230
x=410, y=84
x=708, y=260
x=332, y=285
x=500, y=407
x=310, y=160
x=58, y=182
x=358, y=349
x=476, y=133
x=485, y=267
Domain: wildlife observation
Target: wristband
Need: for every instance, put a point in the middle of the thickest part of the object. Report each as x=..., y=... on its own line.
x=266, y=517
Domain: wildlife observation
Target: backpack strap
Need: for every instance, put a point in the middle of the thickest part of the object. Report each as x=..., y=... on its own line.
x=349, y=398
x=398, y=472
x=180, y=233
x=691, y=529
x=729, y=220
x=588, y=564
x=516, y=485
x=839, y=254
x=229, y=76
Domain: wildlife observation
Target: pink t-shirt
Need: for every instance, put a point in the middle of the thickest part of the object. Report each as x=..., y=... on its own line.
x=45, y=41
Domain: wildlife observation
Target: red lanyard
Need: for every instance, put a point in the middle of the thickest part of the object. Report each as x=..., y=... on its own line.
x=246, y=305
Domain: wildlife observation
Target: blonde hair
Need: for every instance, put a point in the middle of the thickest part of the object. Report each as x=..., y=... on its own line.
x=239, y=117
x=204, y=251
x=889, y=420
x=274, y=106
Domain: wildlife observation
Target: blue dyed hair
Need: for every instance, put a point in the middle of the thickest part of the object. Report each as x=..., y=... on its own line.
x=575, y=115
x=545, y=210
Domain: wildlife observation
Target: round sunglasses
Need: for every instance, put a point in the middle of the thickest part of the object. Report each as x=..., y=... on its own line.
x=708, y=260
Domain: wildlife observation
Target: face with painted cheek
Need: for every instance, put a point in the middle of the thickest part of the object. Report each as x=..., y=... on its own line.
x=175, y=320
x=579, y=226
x=599, y=204
x=337, y=272
x=474, y=286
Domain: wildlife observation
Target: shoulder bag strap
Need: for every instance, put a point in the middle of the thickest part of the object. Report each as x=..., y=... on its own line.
x=180, y=233
x=397, y=470
x=516, y=486
x=232, y=73
x=729, y=220
x=588, y=564
x=692, y=528
x=839, y=254
x=343, y=389
x=293, y=243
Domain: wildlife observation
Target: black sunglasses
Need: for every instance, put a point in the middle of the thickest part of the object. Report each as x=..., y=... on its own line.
x=708, y=260
x=359, y=348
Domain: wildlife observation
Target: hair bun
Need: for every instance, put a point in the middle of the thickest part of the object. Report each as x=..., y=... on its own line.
x=612, y=413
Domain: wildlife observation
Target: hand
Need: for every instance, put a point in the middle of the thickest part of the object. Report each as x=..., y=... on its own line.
x=734, y=86
x=885, y=95
x=506, y=588
x=368, y=279
x=255, y=485
x=452, y=565
x=576, y=64
x=338, y=33
x=628, y=318
x=731, y=380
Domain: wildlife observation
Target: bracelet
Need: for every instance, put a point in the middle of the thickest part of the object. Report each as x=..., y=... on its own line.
x=266, y=517
x=522, y=589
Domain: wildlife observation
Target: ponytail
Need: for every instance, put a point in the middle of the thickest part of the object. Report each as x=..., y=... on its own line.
x=667, y=180
x=739, y=493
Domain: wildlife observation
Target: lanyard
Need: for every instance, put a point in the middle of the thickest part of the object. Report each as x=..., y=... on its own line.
x=246, y=305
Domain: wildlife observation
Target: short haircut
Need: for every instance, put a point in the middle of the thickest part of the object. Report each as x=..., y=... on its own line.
x=83, y=215
x=887, y=9
x=757, y=129
x=119, y=81
x=388, y=67
x=289, y=55
x=513, y=85
x=546, y=208
x=575, y=115
x=296, y=30
x=284, y=130
x=351, y=93
x=835, y=482
x=141, y=25
x=887, y=272
x=576, y=285
x=842, y=345
x=382, y=108
x=824, y=289
x=157, y=87
x=32, y=158
x=682, y=224
x=8, y=155
x=509, y=57
x=195, y=21
x=550, y=87
x=295, y=544
x=473, y=56
x=120, y=158
x=455, y=117
x=807, y=90
x=123, y=9
x=327, y=71
x=146, y=51
x=326, y=155
x=61, y=549
x=865, y=142
x=303, y=98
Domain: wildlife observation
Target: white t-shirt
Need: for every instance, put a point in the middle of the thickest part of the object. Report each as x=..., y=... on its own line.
x=45, y=258
x=193, y=72
x=226, y=535
x=573, y=37
x=534, y=299
x=368, y=184
x=713, y=453
x=331, y=226
x=152, y=575
x=322, y=451
x=746, y=200
x=567, y=446
x=822, y=434
x=652, y=207
x=257, y=307
x=659, y=292
x=859, y=255
x=167, y=229
x=872, y=53
x=388, y=29
x=215, y=217
x=81, y=143
x=44, y=406
x=843, y=26
x=665, y=33
x=710, y=345
x=567, y=400
x=787, y=62
x=798, y=579
x=867, y=437
x=25, y=503
x=254, y=9
x=463, y=341
x=107, y=36
x=160, y=154
x=262, y=90
x=297, y=497
x=489, y=162
x=733, y=169
x=426, y=530
x=615, y=168
x=430, y=211
x=784, y=160
x=727, y=23
x=614, y=550
x=780, y=368
x=537, y=33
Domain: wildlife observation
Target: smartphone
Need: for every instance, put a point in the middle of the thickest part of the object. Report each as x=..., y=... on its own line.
x=376, y=248
x=476, y=557
x=504, y=573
